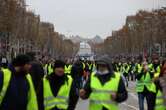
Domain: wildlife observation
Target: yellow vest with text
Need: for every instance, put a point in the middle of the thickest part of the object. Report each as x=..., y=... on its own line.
x=62, y=98
x=101, y=94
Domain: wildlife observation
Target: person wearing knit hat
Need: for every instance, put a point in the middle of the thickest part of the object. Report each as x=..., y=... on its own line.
x=21, y=64
x=21, y=60
x=60, y=87
x=59, y=67
x=105, y=88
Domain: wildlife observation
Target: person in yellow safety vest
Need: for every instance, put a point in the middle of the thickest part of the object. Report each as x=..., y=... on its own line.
x=48, y=68
x=118, y=67
x=122, y=68
x=156, y=66
x=83, y=64
x=160, y=82
x=105, y=88
x=145, y=86
x=126, y=68
x=68, y=68
x=90, y=66
x=16, y=87
x=57, y=91
x=125, y=72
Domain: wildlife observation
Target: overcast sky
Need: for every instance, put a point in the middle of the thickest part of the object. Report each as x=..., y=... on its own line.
x=88, y=18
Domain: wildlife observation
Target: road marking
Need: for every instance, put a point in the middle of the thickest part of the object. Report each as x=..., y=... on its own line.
x=130, y=106
x=136, y=98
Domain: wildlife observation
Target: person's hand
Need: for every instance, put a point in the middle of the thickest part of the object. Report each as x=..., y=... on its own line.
x=113, y=96
x=82, y=93
x=146, y=68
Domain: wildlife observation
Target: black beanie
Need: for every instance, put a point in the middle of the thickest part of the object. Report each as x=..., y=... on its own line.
x=21, y=60
x=59, y=64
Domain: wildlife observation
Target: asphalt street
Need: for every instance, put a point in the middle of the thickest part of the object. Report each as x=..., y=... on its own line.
x=130, y=104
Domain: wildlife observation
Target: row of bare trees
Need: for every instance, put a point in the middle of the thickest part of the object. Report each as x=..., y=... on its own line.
x=22, y=31
x=143, y=33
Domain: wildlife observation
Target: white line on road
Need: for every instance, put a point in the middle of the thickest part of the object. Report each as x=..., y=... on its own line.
x=130, y=106
x=136, y=98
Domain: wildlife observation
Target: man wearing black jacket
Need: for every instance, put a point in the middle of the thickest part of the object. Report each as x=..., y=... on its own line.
x=104, y=86
x=20, y=85
x=60, y=87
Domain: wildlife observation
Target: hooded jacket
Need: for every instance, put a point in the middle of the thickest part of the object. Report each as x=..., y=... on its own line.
x=121, y=94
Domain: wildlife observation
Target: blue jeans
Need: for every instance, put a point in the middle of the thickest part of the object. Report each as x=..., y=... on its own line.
x=141, y=101
x=150, y=98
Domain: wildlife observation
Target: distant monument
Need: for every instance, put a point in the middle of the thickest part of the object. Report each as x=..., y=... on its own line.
x=85, y=51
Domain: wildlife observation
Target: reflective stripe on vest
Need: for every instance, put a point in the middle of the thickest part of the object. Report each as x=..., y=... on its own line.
x=6, y=80
x=61, y=100
x=101, y=94
x=103, y=101
x=32, y=98
x=102, y=91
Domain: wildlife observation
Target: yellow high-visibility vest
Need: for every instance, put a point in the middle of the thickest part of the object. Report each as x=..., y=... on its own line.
x=6, y=79
x=68, y=69
x=32, y=99
x=160, y=101
x=101, y=94
x=62, y=98
x=145, y=81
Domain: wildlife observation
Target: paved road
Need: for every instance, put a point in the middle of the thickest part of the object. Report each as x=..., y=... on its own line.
x=130, y=104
